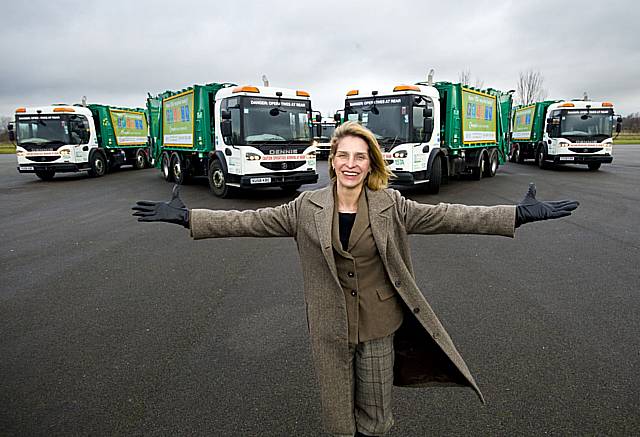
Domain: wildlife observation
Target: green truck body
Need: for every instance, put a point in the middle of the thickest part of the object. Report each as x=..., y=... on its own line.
x=183, y=118
x=474, y=119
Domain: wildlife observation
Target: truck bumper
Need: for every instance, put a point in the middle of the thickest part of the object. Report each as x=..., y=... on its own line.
x=58, y=168
x=582, y=159
x=278, y=179
x=407, y=178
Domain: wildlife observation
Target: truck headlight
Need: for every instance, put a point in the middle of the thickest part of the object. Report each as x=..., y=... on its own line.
x=253, y=156
x=21, y=153
x=64, y=152
x=400, y=154
x=563, y=144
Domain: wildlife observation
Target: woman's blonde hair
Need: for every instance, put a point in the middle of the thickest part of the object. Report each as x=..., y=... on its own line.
x=379, y=175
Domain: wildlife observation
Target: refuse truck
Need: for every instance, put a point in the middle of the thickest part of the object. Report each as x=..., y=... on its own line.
x=325, y=126
x=239, y=137
x=431, y=132
x=72, y=138
x=564, y=132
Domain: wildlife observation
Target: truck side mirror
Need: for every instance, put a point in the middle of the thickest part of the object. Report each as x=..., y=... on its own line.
x=225, y=127
x=427, y=112
x=225, y=115
x=318, y=118
x=428, y=128
x=336, y=117
x=618, y=127
x=318, y=132
x=11, y=133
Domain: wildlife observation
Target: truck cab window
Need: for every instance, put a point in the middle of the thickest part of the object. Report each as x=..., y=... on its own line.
x=418, y=131
x=79, y=129
x=233, y=106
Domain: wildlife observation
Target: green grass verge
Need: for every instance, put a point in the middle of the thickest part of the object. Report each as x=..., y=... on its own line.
x=7, y=148
x=627, y=138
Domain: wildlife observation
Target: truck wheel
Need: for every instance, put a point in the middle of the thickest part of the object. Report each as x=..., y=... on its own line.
x=512, y=155
x=477, y=172
x=593, y=166
x=540, y=157
x=519, y=156
x=141, y=160
x=166, y=167
x=178, y=169
x=218, y=180
x=492, y=167
x=433, y=186
x=45, y=175
x=98, y=165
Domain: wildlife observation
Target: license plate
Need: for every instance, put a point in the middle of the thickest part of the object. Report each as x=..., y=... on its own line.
x=260, y=180
x=26, y=168
x=566, y=158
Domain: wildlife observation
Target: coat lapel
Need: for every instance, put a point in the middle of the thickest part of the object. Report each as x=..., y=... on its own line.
x=361, y=223
x=379, y=217
x=324, y=219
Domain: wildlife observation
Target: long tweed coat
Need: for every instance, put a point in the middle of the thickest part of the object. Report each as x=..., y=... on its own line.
x=425, y=354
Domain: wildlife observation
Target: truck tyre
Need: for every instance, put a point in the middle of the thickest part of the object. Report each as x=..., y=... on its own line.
x=141, y=160
x=519, y=156
x=433, y=186
x=492, y=167
x=477, y=172
x=540, y=158
x=45, y=175
x=218, y=180
x=98, y=165
x=165, y=166
x=594, y=166
x=178, y=169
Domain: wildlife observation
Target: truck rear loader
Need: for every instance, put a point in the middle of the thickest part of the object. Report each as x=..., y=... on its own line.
x=564, y=132
x=432, y=132
x=236, y=136
x=72, y=138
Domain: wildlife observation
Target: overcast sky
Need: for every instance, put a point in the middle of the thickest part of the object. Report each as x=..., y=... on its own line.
x=116, y=52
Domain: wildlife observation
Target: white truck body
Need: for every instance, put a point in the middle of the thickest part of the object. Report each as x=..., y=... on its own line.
x=578, y=132
x=46, y=139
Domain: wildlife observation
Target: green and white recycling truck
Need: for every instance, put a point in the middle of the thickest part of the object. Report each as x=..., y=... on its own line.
x=564, y=132
x=72, y=138
x=237, y=136
x=432, y=132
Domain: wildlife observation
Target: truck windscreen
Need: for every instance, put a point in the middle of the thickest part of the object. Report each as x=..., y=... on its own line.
x=42, y=131
x=386, y=117
x=266, y=120
x=582, y=123
x=327, y=132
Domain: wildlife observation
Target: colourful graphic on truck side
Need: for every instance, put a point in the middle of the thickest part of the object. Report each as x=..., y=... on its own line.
x=523, y=123
x=130, y=127
x=177, y=120
x=479, y=113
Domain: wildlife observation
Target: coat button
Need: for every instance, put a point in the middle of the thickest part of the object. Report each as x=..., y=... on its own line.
x=350, y=274
x=353, y=292
x=398, y=283
x=416, y=310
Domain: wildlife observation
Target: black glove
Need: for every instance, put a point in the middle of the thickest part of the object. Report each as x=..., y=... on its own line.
x=531, y=210
x=174, y=211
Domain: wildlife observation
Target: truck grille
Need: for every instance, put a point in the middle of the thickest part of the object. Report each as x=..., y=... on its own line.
x=585, y=149
x=283, y=165
x=42, y=158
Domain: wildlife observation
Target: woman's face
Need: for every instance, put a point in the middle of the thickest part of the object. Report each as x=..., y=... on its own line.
x=351, y=162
